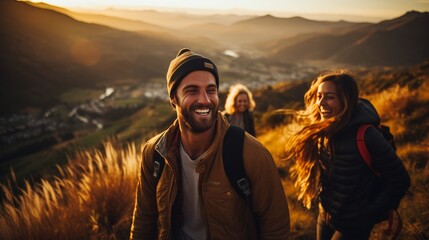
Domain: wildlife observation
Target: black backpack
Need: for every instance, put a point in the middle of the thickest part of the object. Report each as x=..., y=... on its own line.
x=363, y=150
x=384, y=130
x=232, y=156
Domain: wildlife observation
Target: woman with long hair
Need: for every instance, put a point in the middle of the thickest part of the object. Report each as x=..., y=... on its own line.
x=239, y=106
x=328, y=166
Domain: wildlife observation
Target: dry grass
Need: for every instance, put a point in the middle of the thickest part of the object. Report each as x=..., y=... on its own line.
x=93, y=196
x=303, y=221
x=91, y=199
x=393, y=106
x=399, y=108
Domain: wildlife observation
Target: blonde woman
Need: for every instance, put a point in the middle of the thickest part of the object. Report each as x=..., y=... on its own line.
x=239, y=108
x=328, y=165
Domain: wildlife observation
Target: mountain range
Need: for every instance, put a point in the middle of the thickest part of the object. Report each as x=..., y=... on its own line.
x=47, y=50
x=400, y=41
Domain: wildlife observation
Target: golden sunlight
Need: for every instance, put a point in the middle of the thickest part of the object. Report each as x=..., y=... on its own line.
x=85, y=52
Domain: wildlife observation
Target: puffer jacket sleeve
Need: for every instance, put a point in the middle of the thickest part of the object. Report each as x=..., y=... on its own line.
x=268, y=196
x=392, y=170
x=144, y=224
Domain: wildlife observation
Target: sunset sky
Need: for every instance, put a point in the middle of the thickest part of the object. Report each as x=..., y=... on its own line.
x=375, y=9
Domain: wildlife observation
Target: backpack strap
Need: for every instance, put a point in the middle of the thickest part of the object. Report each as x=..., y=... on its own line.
x=233, y=163
x=363, y=150
x=158, y=164
x=232, y=156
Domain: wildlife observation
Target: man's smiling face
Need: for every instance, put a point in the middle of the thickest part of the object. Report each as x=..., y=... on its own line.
x=196, y=101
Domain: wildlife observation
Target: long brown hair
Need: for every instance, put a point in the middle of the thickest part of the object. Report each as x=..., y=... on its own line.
x=304, y=145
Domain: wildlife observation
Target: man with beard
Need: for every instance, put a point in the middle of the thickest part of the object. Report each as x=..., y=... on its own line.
x=192, y=197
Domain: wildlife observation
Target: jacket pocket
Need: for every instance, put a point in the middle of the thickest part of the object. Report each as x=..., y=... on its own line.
x=226, y=210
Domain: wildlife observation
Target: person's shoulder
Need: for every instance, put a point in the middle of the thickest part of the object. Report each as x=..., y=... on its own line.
x=372, y=132
x=150, y=144
x=253, y=144
x=155, y=139
x=255, y=155
x=374, y=137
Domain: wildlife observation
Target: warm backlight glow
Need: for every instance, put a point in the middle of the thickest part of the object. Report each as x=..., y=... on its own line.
x=381, y=9
x=85, y=52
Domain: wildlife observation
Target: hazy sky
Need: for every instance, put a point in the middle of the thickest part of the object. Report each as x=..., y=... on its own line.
x=372, y=9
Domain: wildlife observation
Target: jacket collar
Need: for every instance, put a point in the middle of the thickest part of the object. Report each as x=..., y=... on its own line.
x=168, y=142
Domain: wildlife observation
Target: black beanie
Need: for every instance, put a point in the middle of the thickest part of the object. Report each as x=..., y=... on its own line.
x=186, y=62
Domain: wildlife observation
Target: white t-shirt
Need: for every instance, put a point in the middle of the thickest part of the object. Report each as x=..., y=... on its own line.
x=194, y=223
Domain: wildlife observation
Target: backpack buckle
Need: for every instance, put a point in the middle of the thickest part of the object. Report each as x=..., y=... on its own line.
x=156, y=167
x=243, y=184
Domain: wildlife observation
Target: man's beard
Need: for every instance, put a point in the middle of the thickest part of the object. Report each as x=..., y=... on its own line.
x=199, y=125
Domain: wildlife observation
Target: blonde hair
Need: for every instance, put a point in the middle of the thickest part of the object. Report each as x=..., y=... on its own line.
x=304, y=145
x=234, y=91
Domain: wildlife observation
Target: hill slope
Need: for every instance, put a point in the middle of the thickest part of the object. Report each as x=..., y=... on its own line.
x=400, y=41
x=106, y=20
x=44, y=52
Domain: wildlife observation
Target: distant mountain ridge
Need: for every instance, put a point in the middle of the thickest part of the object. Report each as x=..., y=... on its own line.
x=44, y=52
x=400, y=41
x=222, y=28
x=111, y=21
x=268, y=27
x=176, y=20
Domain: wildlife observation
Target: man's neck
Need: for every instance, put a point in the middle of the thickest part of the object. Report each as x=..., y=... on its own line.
x=195, y=144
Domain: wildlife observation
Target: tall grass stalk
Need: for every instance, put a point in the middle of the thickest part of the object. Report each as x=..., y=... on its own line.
x=92, y=198
x=393, y=105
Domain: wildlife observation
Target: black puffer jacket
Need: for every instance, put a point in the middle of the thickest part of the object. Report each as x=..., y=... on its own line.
x=351, y=193
x=249, y=125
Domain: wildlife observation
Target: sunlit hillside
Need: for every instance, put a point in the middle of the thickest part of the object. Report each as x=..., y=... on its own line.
x=92, y=197
x=400, y=41
x=45, y=53
x=80, y=92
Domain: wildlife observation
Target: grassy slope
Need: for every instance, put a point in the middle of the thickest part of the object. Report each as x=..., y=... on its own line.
x=92, y=208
